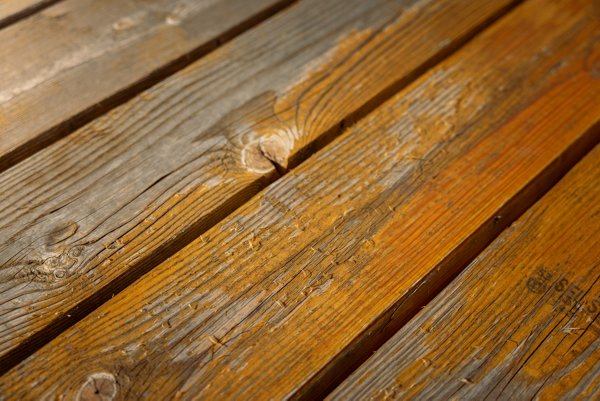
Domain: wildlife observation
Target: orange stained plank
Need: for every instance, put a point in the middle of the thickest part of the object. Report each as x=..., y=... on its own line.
x=75, y=59
x=520, y=323
x=300, y=283
x=85, y=217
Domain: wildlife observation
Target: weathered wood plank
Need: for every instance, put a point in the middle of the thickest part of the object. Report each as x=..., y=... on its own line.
x=300, y=283
x=84, y=217
x=520, y=323
x=74, y=60
x=14, y=10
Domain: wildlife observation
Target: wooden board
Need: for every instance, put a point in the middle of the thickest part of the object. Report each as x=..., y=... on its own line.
x=520, y=323
x=302, y=282
x=14, y=10
x=85, y=217
x=78, y=58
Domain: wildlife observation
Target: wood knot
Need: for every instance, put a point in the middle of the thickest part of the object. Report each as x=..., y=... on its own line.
x=266, y=153
x=254, y=159
x=124, y=24
x=175, y=17
x=55, y=12
x=172, y=19
x=50, y=269
x=99, y=386
x=62, y=233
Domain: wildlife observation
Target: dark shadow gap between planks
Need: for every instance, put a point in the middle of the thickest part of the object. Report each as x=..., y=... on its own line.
x=88, y=305
x=25, y=12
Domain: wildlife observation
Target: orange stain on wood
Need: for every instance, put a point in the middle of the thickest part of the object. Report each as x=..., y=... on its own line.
x=520, y=319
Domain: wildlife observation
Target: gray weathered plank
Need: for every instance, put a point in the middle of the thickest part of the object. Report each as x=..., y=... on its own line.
x=520, y=323
x=77, y=58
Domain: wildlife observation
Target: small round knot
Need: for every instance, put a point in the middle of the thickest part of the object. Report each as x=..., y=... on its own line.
x=267, y=152
x=99, y=386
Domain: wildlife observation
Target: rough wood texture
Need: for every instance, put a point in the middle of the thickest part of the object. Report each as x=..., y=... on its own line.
x=519, y=324
x=75, y=59
x=301, y=282
x=84, y=217
x=14, y=10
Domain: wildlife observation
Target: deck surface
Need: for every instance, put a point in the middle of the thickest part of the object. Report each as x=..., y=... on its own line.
x=271, y=199
x=520, y=322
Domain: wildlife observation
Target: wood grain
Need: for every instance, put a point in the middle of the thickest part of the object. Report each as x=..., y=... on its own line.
x=85, y=217
x=298, y=285
x=520, y=323
x=14, y=10
x=76, y=59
